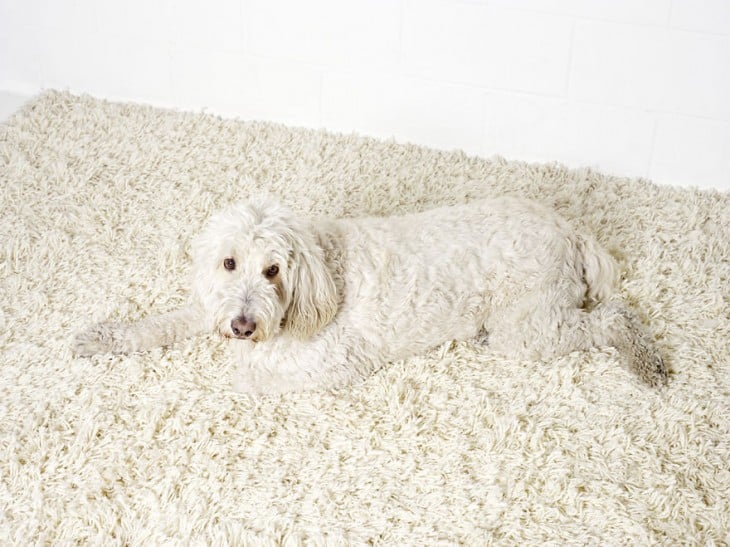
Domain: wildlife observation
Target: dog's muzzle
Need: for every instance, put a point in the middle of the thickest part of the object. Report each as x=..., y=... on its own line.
x=243, y=327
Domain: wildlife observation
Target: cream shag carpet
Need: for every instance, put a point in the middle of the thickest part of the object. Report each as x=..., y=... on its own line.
x=98, y=205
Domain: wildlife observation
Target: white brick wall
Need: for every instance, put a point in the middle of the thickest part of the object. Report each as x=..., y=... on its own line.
x=489, y=48
x=636, y=88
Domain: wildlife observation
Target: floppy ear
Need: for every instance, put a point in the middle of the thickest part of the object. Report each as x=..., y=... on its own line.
x=314, y=294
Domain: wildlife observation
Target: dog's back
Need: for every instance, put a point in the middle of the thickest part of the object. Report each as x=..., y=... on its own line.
x=507, y=266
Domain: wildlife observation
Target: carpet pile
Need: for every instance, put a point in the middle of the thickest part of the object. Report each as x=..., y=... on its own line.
x=98, y=203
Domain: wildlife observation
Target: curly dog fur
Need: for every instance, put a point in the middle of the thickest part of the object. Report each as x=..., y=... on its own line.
x=312, y=304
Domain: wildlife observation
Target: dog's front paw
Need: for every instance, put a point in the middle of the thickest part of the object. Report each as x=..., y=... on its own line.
x=95, y=340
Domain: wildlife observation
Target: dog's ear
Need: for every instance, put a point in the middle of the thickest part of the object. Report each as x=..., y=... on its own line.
x=313, y=292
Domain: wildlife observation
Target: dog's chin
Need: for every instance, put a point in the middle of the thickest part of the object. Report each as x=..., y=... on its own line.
x=231, y=336
x=255, y=338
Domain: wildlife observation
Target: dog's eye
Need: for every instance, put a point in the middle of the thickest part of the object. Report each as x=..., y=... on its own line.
x=229, y=264
x=272, y=271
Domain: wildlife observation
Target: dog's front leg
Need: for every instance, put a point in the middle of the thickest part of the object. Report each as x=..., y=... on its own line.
x=150, y=332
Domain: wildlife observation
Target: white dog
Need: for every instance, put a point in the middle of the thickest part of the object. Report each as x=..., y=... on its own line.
x=313, y=304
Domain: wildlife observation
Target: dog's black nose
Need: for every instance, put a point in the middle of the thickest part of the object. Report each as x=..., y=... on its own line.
x=243, y=327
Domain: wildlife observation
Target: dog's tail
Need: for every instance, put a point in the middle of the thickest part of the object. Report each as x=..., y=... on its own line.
x=150, y=332
x=600, y=271
x=614, y=323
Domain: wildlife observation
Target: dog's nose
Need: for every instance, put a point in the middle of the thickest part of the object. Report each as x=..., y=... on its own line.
x=243, y=327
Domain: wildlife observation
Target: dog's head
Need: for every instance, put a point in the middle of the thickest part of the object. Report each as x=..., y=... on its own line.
x=258, y=269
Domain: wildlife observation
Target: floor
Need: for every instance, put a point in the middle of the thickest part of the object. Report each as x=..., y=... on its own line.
x=9, y=103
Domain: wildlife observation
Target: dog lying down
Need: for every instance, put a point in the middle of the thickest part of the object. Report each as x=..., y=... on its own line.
x=316, y=304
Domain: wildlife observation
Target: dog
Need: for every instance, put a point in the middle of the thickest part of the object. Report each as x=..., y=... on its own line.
x=320, y=303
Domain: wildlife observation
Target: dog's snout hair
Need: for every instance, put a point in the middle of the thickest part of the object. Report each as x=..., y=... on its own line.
x=255, y=304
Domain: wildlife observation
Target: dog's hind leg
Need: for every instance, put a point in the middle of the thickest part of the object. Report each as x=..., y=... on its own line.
x=150, y=332
x=615, y=324
x=542, y=332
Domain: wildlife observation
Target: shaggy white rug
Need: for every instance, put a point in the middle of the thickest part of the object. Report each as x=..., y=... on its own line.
x=98, y=205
